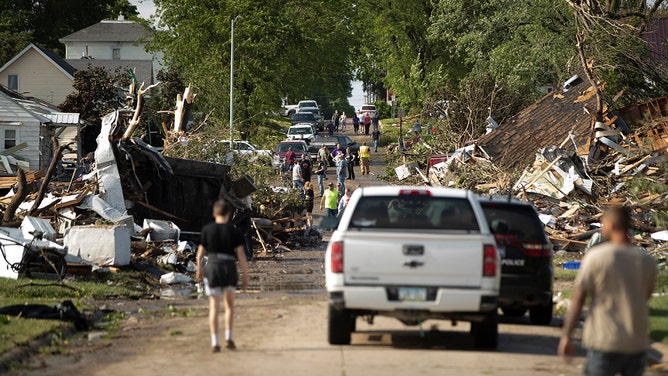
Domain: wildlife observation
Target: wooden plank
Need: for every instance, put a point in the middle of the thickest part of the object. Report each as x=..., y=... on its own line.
x=13, y=149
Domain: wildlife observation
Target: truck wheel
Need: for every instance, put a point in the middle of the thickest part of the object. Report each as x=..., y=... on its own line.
x=291, y=113
x=486, y=332
x=541, y=315
x=514, y=312
x=341, y=325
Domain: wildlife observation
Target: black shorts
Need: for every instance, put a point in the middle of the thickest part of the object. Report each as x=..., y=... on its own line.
x=221, y=273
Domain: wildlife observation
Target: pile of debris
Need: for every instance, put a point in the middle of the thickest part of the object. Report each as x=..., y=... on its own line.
x=97, y=212
x=622, y=160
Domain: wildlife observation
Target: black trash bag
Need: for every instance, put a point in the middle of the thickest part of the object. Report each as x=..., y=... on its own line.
x=65, y=311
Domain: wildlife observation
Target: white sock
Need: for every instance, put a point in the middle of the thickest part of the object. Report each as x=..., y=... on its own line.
x=214, y=340
x=228, y=334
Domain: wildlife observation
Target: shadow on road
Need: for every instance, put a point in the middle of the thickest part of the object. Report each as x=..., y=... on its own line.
x=513, y=343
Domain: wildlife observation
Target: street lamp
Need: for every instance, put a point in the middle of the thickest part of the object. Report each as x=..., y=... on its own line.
x=232, y=80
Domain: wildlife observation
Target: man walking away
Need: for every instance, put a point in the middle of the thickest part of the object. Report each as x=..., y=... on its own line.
x=375, y=136
x=367, y=123
x=221, y=242
x=356, y=124
x=619, y=279
x=350, y=163
x=365, y=155
x=329, y=200
x=306, y=167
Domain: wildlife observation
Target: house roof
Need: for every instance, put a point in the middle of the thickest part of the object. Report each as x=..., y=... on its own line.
x=110, y=31
x=546, y=122
x=144, y=71
x=49, y=55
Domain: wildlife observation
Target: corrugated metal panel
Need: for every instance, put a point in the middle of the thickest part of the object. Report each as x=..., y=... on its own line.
x=63, y=118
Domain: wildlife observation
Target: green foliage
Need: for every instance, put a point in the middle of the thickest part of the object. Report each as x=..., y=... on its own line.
x=97, y=92
x=293, y=48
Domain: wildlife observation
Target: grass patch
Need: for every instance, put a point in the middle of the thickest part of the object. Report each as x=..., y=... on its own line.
x=561, y=274
x=658, y=319
x=17, y=331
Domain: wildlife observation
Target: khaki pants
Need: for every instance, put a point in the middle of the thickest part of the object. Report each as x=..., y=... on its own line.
x=365, y=164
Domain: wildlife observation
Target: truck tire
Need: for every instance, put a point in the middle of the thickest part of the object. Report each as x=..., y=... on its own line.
x=486, y=332
x=291, y=113
x=340, y=327
x=541, y=315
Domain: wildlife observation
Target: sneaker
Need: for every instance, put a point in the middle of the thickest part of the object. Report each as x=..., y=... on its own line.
x=230, y=345
x=215, y=349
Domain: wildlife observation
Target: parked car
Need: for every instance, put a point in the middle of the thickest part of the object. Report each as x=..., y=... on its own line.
x=245, y=149
x=330, y=142
x=307, y=103
x=306, y=118
x=298, y=146
x=320, y=122
x=288, y=110
x=301, y=132
x=414, y=254
x=368, y=108
x=526, y=258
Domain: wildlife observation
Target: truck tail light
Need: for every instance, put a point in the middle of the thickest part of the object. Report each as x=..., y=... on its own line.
x=337, y=257
x=489, y=261
x=537, y=250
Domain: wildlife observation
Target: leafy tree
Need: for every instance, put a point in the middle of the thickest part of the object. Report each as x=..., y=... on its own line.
x=611, y=50
x=298, y=48
x=97, y=92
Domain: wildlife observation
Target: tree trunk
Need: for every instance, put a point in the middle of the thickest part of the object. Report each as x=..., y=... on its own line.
x=57, y=155
x=21, y=194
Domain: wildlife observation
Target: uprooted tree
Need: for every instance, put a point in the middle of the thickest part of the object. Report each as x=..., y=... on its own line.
x=611, y=49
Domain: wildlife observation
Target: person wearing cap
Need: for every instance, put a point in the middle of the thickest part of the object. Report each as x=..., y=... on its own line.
x=329, y=200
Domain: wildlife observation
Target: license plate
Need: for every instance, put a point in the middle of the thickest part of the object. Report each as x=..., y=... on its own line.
x=412, y=294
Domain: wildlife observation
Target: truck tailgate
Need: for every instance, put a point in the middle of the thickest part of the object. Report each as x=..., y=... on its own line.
x=429, y=258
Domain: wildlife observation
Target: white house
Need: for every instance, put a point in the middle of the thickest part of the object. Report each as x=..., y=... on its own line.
x=26, y=127
x=111, y=44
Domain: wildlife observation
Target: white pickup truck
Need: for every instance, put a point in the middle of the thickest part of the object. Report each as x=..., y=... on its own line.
x=412, y=253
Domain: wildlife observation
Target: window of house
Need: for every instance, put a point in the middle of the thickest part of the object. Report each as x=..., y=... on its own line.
x=13, y=82
x=116, y=53
x=10, y=138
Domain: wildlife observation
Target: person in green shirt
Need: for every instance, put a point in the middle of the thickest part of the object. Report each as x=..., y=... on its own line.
x=329, y=200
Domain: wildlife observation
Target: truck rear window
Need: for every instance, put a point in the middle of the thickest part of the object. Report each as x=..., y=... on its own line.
x=519, y=221
x=414, y=212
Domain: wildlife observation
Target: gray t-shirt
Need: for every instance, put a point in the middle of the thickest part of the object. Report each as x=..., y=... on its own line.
x=618, y=278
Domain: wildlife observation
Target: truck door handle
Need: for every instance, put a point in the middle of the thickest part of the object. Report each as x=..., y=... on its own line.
x=413, y=263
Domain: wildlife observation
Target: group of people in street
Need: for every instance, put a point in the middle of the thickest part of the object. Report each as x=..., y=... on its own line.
x=367, y=122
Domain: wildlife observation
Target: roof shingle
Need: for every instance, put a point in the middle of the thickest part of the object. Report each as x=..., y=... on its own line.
x=110, y=31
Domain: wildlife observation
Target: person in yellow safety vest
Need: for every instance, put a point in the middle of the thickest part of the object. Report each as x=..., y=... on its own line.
x=365, y=155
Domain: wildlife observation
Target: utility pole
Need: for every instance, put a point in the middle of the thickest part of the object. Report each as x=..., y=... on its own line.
x=232, y=82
